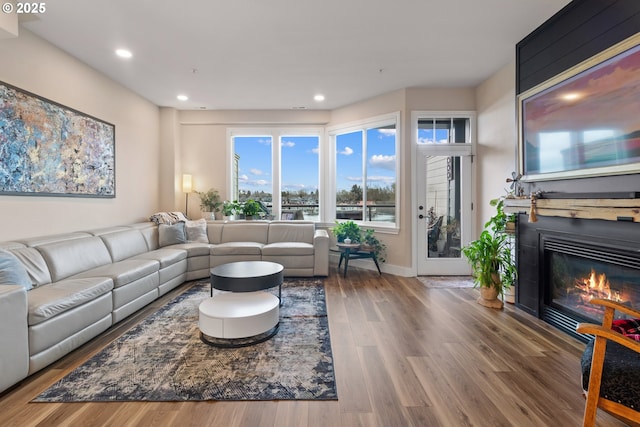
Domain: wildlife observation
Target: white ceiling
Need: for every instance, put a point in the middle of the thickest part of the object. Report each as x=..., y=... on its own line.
x=277, y=54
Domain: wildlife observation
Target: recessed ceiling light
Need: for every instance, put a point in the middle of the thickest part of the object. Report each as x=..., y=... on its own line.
x=124, y=53
x=319, y=98
x=183, y=98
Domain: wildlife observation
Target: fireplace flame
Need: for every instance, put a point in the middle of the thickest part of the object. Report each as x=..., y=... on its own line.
x=596, y=286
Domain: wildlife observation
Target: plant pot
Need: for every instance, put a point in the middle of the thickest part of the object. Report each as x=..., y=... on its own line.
x=489, y=298
x=510, y=295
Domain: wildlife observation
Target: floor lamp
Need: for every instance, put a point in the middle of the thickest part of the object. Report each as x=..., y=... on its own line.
x=187, y=187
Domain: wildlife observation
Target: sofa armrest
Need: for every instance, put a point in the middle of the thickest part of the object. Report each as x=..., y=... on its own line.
x=14, y=341
x=321, y=253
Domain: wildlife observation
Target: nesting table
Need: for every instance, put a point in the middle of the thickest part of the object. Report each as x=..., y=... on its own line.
x=353, y=251
x=246, y=314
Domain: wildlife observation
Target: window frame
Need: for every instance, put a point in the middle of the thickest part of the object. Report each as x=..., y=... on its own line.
x=276, y=134
x=364, y=125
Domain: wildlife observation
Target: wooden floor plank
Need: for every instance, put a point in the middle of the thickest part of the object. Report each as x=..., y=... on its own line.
x=404, y=355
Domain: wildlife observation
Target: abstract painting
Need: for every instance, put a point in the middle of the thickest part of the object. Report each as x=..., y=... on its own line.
x=47, y=149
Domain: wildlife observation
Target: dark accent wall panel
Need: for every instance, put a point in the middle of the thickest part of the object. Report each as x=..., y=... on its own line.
x=580, y=30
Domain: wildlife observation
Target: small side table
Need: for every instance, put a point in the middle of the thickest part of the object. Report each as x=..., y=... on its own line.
x=352, y=251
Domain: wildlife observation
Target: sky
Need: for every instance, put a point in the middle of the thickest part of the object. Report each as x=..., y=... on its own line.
x=300, y=161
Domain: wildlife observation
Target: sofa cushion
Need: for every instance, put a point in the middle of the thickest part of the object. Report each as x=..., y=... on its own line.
x=165, y=256
x=71, y=257
x=123, y=272
x=48, y=301
x=124, y=244
x=171, y=234
x=194, y=249
x=149, y=231
x=214, y=231
x=196, y=231
x=35, y=265
x=245, y=231
x=291, y=232
x=12, y=272
x=287, y=249
x=237, y=248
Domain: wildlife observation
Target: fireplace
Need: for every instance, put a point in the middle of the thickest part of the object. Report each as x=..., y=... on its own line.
x=577, y=271
x=564, y=262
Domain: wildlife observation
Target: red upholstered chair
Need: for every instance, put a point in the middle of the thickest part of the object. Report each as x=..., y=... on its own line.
x=611, y=366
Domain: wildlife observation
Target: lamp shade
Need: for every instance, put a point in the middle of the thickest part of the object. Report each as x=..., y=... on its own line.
x=187, y=183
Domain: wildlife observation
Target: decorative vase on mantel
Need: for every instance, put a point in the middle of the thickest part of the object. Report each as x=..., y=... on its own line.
x=209, y=216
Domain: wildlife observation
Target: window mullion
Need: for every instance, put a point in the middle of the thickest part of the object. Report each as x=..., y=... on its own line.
x=276, y=155
x=364, y=175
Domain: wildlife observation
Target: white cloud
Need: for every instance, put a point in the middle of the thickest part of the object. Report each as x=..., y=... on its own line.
x=261, y=182
x=383, y=161
x=357, y=179
x=243, y=178
x=266, y=141
x=386, y=132
x=432, y=141
x=255, y=171
x=288, y=144
x=347, y=151
x=316, y=150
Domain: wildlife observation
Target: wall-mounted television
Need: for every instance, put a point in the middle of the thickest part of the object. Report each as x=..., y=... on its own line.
x=585, y=121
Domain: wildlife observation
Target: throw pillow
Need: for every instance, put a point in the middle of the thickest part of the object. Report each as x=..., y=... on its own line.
x=12, y=272
x=197, y=231
x=171, y=234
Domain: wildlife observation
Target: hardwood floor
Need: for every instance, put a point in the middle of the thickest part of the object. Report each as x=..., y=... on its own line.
x=404, y=355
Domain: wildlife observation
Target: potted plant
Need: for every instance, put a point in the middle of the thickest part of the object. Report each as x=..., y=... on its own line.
x=250, y=208
x=210, y=203
x=347, y=232
x=490, y=259
x=371, y=243
x=229, y=209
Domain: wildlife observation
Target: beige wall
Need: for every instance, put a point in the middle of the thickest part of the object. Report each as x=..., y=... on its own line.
x=33, y=64
x=497, y=138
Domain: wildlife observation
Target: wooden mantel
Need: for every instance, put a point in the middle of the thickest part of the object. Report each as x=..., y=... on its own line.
x=619, y=209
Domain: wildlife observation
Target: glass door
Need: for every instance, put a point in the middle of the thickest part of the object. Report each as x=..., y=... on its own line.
x=443, y=166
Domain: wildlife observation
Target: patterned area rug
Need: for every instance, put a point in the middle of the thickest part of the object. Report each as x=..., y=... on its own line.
x=447, y=282
x=163, y=358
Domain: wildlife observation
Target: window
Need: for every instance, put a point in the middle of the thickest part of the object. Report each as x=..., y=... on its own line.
x=444, y=130
x=278, y=168
x=365, y=178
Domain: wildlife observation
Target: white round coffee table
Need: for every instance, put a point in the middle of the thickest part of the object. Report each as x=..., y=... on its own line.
x=231, y=316
x=245, y=314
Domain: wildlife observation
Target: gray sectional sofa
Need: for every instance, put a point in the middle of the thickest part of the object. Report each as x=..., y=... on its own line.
x=84, y=282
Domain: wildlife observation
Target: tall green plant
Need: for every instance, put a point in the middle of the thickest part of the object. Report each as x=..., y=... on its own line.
x=490, y=255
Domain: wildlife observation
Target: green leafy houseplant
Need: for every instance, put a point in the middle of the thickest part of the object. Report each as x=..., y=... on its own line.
x=378, y=247
x=490, y=255
x=347, y=230
x=209, y=200
x=250, y=208
x=230, y=208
